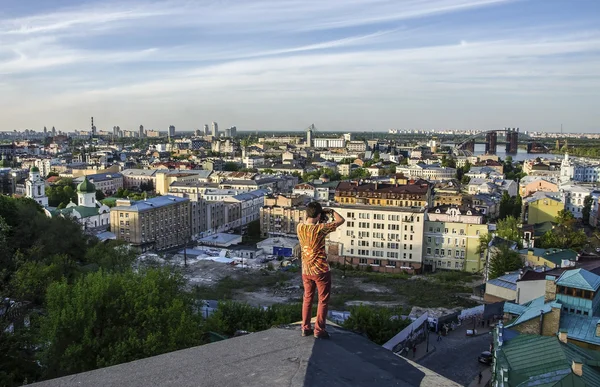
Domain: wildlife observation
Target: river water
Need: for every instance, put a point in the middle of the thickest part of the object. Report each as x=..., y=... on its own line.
x=520, y=156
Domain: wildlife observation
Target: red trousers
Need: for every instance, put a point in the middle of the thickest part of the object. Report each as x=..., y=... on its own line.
x=322, y=282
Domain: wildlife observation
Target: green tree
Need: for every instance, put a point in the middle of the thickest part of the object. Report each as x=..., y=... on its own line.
x=508, y=228
x=111, y=256
x=376, y=156
x=110, y=318
x=359, y=173
x=232, y=316
x=565, y=234
x=506, y=206
x=100, y=195
x=254, y=229
x=504, y=260
x=231, y=167
x=517, y=206
x=378, y=324
x=587, y=208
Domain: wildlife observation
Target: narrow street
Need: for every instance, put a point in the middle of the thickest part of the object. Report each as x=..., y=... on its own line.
x=455, y=356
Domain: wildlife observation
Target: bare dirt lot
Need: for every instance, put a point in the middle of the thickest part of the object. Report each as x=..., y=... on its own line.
x=258, y=286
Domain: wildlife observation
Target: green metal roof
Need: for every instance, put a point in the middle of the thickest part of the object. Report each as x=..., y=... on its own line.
x=34, y=169
x=579, y=279
x=85, y=212
x=86, y=186
x=534, y=360
x=553, y=255
x=533, y=310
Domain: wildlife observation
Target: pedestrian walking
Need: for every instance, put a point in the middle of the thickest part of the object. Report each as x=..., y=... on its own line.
x=480, y=376
x=439, y=338
x=414, y=351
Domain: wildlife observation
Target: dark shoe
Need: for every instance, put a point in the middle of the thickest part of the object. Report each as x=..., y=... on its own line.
x=323, y=335
x=307, y=332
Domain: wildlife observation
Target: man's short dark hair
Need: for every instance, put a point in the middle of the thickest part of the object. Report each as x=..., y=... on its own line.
x=313, y=209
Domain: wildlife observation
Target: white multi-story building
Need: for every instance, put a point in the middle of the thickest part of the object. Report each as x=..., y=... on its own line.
x=215, y=129
x=579, y=171
x=573, y=195
x=389, y=239
x=329, y=143
x=427, y=172
x=252, y=162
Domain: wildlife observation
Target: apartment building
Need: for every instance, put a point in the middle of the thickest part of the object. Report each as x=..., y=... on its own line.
x=451, y=239
x=356, y=146
x=281, y=214
x=429, y=172
x=158, y=223
x=327, y=143
x=244, y=208
x=387, y=238
x=416, y=193
x=108, y=183
x=133, y=178
x=531, y=184
x=541, y=207
x=573, y=196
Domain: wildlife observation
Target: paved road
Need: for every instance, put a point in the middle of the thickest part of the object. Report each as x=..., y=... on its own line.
x=455, y=357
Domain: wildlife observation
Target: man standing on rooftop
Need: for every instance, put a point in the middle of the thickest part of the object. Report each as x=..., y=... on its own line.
x=315, y=269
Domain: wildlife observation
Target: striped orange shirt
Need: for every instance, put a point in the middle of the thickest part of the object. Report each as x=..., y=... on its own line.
x=312, y=243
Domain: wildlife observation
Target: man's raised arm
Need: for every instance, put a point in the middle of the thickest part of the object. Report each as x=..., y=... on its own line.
x=338, y=220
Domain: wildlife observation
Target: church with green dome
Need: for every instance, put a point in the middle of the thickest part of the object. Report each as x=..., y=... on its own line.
x=92, y=214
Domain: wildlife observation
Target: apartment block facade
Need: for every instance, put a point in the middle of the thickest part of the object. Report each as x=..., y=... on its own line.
x=387, y=238
x=281, y=214
x=158, y=223
x=416, y=193
x=451, y=239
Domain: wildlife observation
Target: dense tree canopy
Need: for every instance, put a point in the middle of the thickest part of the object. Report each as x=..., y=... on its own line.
x=109, y=318
x=510, y=206
x=565, y=235
x=378, y=324
x=508, y=228
x=504, y=260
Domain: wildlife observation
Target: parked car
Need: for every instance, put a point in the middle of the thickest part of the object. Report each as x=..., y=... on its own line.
x=485, y=357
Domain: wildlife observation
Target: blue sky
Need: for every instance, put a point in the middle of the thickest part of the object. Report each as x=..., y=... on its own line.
x=284, y=64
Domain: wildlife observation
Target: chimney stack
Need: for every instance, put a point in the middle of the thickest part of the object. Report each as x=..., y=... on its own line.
x=563, y=336
x=577, y=367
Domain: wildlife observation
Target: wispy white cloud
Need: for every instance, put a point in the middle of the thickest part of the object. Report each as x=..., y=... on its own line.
x=237, y=57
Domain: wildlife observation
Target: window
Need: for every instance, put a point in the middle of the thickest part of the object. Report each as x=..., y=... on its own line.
x=442, y=252
x=391, y=263
x=437, y=251
x=429, y=250
x=428, y=239
x=121, y=215
x=376, y=262
x=457, y=253
x=362, y=261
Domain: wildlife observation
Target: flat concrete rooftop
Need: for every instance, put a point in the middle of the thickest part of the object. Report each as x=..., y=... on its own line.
x=275, y=357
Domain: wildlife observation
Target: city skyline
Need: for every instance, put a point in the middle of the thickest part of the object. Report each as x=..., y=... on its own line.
x=267, y=65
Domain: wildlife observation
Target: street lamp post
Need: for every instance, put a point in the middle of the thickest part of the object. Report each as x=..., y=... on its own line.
x=427, y=327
